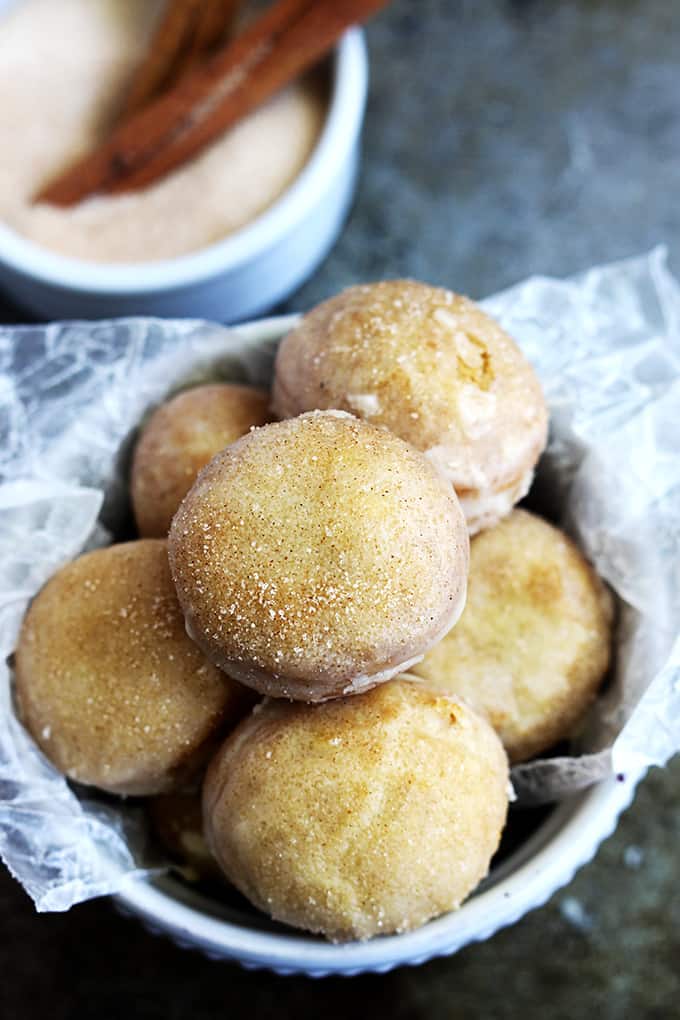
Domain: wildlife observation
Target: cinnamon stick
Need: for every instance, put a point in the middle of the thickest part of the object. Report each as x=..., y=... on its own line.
x=186, y=32
x=284, y=42
x=212, y=28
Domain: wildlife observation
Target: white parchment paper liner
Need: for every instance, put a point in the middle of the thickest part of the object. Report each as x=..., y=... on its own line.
x=607, y=348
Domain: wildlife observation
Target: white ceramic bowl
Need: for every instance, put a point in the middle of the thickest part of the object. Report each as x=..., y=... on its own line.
x=567, y=838
x=524, y=880
x=234, y=279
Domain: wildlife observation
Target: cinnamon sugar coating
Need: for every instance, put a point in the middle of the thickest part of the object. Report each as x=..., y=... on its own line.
x=108, y=683
x=359, y=817
x=319, y=556
x=436, y=370
x=534, y=641
x=180, y=437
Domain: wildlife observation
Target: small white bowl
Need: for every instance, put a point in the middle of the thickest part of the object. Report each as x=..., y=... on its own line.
x=248, y=272
x=543, y=864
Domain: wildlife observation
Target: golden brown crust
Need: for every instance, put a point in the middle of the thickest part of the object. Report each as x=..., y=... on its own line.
x=318, y=556
x=179, y=439
x=429, y=365
x=108, y=683
x=359, y=817
x=534, y=641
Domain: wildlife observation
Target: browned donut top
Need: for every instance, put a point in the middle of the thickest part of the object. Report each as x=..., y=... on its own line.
x=534, y=640
x=361, y=816
x=109, y=684
x=426, y=363
x=179, y=439
x=319, y=550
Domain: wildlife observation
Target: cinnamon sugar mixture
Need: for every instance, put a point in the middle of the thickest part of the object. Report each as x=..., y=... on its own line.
x=64, y=65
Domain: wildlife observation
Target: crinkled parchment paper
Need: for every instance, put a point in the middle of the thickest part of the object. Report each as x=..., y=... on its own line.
x=607, y=348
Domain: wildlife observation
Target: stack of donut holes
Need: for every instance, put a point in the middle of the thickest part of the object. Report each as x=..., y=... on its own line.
x=285, y=662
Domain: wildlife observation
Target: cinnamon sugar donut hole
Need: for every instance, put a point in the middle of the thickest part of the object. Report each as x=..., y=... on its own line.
x=360, y=817
x=534, y=642
x=180, y=437
x=318, y=557
x=108, y=683
x=433, y=368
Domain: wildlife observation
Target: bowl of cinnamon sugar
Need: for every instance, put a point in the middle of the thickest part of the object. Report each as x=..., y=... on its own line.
x=174, y=158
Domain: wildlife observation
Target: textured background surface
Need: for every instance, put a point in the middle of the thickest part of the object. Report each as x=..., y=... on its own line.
x=502, y=139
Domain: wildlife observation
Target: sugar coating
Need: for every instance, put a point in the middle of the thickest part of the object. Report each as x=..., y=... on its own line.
x=436, y=370
x=180, y=437
x=534, y=641
x=109, y=685
x=359, y=817
x=315, y=557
